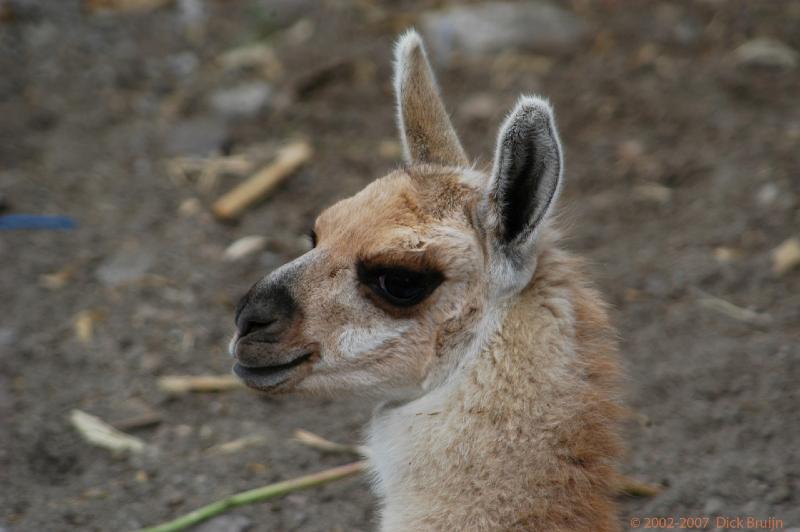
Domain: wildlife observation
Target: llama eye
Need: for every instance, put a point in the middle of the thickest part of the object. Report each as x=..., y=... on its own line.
x=399, y=286
x=402, y=287
x=312, y=235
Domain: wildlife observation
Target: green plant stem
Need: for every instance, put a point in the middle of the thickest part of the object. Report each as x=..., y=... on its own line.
x=263, y=493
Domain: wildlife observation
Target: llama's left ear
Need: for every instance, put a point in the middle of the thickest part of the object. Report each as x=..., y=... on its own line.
x=526, y=175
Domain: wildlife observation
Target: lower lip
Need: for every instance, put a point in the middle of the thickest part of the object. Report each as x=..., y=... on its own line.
x=270, y=378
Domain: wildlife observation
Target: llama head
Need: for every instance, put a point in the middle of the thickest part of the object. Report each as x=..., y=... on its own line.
x=403, y=275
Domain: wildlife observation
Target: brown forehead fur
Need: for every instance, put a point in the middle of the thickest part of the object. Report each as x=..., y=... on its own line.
x=415, y=198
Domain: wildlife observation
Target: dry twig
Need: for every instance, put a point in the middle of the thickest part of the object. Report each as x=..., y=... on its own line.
x=97, y=432
x=179, y=384
x=309, y=439
x=732, y=311
x=289, y=159
x=635, y=488
x=238, y=444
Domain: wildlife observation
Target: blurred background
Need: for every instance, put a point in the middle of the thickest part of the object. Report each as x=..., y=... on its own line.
x=681, y=127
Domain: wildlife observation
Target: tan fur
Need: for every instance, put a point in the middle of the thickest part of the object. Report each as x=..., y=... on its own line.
x=496, y=396
x=522, y=437
x=525, y=438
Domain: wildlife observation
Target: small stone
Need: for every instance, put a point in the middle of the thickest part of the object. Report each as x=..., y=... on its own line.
x=630, y=151
x=226, y=523
x=193, y=16
x=766, y=52
x=256, y=56
x=241, y=100
x=129, y=264
x=786, y=256
x=655, y=193
x=83, y=325
x=56, y=280
x=197, y=136
x=490, y=28
x=183, y=64
x=300, y=32
x=183, y=431
x=206, y=432
x=244, y=246
x=725, y=255
x=767, y=194
x=190, y=207
x=8, y=336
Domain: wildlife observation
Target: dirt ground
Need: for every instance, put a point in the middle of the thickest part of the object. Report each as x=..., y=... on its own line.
x=683, y=174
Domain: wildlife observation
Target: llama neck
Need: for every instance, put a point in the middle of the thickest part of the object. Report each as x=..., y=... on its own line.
x=522, y=435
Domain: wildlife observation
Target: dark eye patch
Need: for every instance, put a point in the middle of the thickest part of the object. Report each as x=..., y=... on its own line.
x=399, y=286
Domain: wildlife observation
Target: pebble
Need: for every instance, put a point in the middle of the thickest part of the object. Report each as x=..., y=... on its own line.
x=244, y=246
x=190, y=207
x=130, y=263
x=489, y=28
x=183, y=64
x=242, y=100
x=193, y=16
x=8, y=337
x=200, y=136
x=786, y=256
x=653, y=192
x=767, y=194
x=766, y=52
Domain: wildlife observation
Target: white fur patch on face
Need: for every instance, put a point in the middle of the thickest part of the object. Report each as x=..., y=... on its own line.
x=356, y=341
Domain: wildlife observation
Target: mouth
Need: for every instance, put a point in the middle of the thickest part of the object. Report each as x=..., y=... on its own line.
x=271, y=378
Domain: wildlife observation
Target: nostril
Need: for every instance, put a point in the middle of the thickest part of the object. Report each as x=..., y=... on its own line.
x=251, y=326
x=265, y=312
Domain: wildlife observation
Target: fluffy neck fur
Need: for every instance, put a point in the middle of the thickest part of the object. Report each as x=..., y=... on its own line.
x=520, y=437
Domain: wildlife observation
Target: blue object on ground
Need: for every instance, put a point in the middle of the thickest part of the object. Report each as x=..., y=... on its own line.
x=36, y=221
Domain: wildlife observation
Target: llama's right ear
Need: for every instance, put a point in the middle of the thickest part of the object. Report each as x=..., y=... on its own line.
x=425, y=129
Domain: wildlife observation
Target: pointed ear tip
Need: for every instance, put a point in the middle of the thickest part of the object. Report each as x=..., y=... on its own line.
x=408, y=41
x=538, y=104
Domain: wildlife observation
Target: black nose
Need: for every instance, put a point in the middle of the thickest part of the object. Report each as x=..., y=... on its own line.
x=265, y=312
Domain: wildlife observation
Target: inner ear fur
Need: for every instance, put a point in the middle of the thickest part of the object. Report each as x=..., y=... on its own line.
x=426, y=132
x=526, y=175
